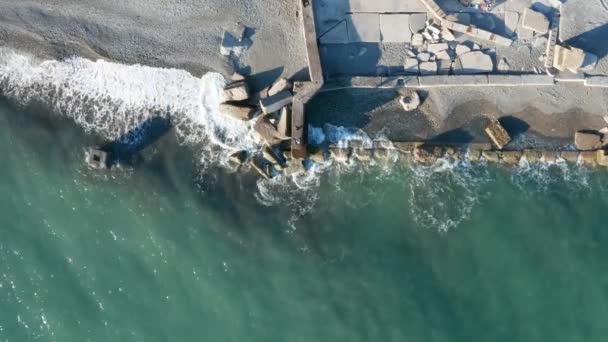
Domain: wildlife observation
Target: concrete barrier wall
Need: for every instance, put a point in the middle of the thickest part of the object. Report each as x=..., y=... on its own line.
x=425, y=152
x=597, y=81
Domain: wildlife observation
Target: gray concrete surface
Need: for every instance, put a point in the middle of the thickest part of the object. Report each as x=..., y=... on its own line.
x=165, y=33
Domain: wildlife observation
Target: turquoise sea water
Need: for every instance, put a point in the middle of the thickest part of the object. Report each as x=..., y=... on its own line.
x=158, y=251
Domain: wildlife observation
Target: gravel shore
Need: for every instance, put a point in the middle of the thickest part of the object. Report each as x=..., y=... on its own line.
x=183, y=34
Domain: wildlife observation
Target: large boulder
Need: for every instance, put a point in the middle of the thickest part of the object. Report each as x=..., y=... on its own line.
x=585, y=140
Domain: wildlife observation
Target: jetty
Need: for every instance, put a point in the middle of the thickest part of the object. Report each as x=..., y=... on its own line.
x=443, y=44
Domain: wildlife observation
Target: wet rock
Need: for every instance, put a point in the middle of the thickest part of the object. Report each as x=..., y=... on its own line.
x=491, y=156
x=533, y=156
x=410, y=101
x=272, y=157
x=602, y=157
x=238, y=158
x=511, y=157
x=237, y=111
x=497, y=134
x=267, y=131
x=234, y=46
x=587, y=140
x=588, y=157
x=341, y=155
x=363, y=155
x=317, y=155
x=569, y=156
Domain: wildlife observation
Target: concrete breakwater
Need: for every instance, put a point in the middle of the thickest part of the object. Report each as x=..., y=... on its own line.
x=428, y=152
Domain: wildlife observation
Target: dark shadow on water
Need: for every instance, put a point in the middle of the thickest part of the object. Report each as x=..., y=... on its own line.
x=126, y=148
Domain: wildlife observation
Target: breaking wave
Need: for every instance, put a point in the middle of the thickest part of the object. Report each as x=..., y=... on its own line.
x=118, y=101
x=115, y=100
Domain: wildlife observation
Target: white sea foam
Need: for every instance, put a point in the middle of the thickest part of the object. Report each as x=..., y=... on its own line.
x=112, y=99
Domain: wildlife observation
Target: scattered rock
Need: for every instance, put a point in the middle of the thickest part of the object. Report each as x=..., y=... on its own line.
x=497, y=133
x=424, y=56
x=410, y=53
x=267, y=131
x=462, y=49
x=281, y=85
x=586, y=140
x=447, y=35
x=443, y=55
x=428, y=68
x=535, y=21
x=475, y=62
x=437, y=47
x=236, y=91
x=237, y=111
x=410, y=101
x=417, y=39
x=276, y=102
x=427, y=35
x=476, y=47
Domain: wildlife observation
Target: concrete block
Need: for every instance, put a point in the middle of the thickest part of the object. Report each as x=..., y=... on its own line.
x=537, y=80
x=587, y=157
x=395, y=28
x=497, y=134
x=284, y=124
x=363, y=27
x=280, y=85
x=491, y=156
x=504, y=80
x=97, y=159
x=273, y=103
x=236, y=111
x=587, y=140
x=337, y=35
x=569, y=156
x=533, y=156
x=512, y=157
x=596, y=81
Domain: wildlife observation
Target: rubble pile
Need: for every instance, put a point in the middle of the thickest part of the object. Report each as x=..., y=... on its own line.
x=437, y=52
x=271, y=110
